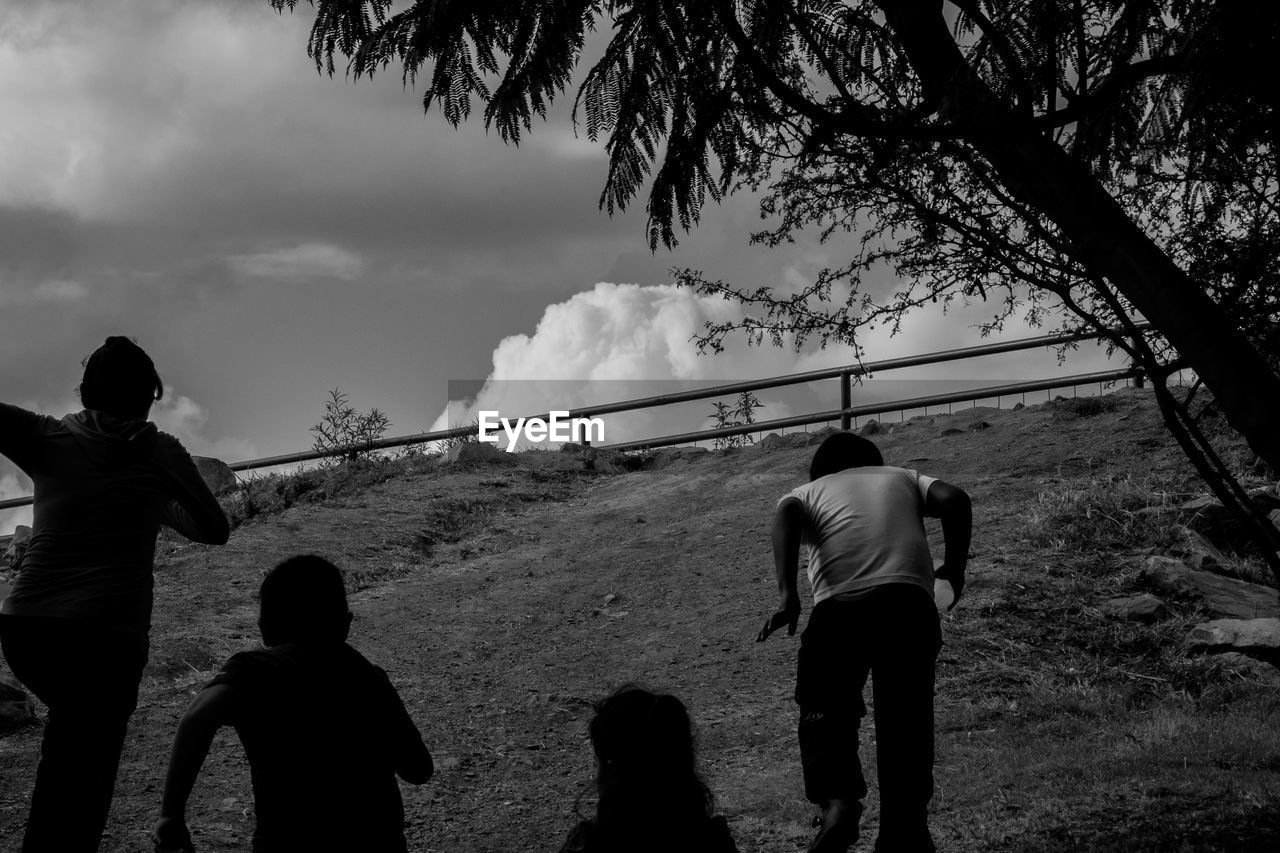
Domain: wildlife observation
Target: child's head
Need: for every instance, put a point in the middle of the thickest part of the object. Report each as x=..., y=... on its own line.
x=646, y=765
x=121, y=380
x=303, y=600
x=843, y=450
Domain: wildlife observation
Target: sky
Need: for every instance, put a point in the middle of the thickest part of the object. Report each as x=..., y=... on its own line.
x=180, y=173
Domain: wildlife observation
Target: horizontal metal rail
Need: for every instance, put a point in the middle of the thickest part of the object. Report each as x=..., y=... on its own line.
x=881, y=408
x=843, y=373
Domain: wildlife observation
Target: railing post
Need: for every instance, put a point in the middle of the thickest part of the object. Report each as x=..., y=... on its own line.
x=846, y=400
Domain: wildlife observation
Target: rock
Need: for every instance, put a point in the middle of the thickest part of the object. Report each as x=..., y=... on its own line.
x=774, y=441
x=217, y=474
x=1248, y=667
x=1141, y=608
x=952, y=431
x=1254, y=637
x=17, y=544
x=476, y=453
x=977, y=425
x=871, y=427
x=1017, y=407
x=1219, y=526
x=821, y=435
x=610, y=599
x=1195, y=550
x=670, y=455
x=1220, y=596
x=572, y=447
x=16, y=709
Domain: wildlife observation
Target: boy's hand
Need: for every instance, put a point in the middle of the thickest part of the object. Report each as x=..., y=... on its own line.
x=956, y=579
x=170, y=835
x=788, y=614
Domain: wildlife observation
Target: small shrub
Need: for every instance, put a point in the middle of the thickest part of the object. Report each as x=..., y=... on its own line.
x=345, y=434
x=742, y=413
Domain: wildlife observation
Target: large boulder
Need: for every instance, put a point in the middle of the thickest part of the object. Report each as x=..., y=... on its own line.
x=1220, y=596
x=217, y=474
x=16, y=709
x=1258, y=638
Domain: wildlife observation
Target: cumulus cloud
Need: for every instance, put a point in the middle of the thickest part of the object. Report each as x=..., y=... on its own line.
x=622, y=341
x=309, y=260
x=186, y=420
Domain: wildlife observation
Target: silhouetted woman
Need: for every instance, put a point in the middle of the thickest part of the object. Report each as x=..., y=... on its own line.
x=74, y=627
x=651, y=797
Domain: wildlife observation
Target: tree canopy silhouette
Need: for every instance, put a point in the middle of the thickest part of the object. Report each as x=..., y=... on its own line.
x=1113, y=158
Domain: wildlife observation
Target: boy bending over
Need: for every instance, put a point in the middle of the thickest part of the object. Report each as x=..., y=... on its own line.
x=324, y=730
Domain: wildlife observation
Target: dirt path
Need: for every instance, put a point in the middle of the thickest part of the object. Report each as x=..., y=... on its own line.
x=500, y=640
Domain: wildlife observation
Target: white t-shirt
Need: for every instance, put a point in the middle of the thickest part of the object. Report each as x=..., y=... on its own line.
x=864, y=528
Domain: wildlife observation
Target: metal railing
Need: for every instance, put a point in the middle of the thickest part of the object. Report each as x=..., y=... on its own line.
x=845, y=414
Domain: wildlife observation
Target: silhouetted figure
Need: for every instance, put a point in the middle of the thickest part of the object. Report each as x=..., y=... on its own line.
x=873, y=582
x=324, y=730
x=74, y=627
x=650, y=795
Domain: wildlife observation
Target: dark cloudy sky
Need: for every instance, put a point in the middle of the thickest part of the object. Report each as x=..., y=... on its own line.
x=179, y=172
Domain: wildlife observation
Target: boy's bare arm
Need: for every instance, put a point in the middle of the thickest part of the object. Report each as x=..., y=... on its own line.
x=211, y=710
x=788, y=522
x=413, y=759
x=951, y=505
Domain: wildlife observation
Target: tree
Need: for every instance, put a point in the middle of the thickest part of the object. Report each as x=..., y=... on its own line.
x=1091, y=160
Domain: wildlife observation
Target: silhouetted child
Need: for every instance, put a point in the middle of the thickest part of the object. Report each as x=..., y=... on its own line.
x=324, y=730
x=650, y=795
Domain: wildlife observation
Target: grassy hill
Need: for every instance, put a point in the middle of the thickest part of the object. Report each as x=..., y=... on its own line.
x=504, y=599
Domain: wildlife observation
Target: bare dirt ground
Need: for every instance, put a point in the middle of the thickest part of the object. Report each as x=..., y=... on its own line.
x=482, y=592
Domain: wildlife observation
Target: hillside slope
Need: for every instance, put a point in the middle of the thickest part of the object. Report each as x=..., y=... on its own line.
x=484, y=593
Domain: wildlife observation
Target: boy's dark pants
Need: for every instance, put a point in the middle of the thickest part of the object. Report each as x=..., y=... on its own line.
x=88, y=677
x=894, y=635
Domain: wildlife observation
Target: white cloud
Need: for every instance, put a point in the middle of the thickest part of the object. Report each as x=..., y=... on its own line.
x=60, y=290
x=185, y=419
x=309, y=260
x=14, y=485
x=620, y=341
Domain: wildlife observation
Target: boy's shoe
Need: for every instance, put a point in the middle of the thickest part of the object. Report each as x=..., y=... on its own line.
x=838, y=828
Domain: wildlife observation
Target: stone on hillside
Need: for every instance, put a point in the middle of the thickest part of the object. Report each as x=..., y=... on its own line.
x=1254, y=637
x=17, y=544
x=217, y=475
x=871, y=427
x=16, y=709
x=1018, y=407
x=1208, y=517
x=977, y=425
x=476, y=453
x=774, y=441
x=1248, y=667
x=665, y=456
x=1141, y=608
x=821, y=435
x=1195, y=550
x=1220, y=596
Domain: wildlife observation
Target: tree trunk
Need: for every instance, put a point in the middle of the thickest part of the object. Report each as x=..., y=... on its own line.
x=1038, y=172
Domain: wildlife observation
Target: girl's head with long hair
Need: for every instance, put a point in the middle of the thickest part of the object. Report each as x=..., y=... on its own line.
x=121, y=380
x=646, y=775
